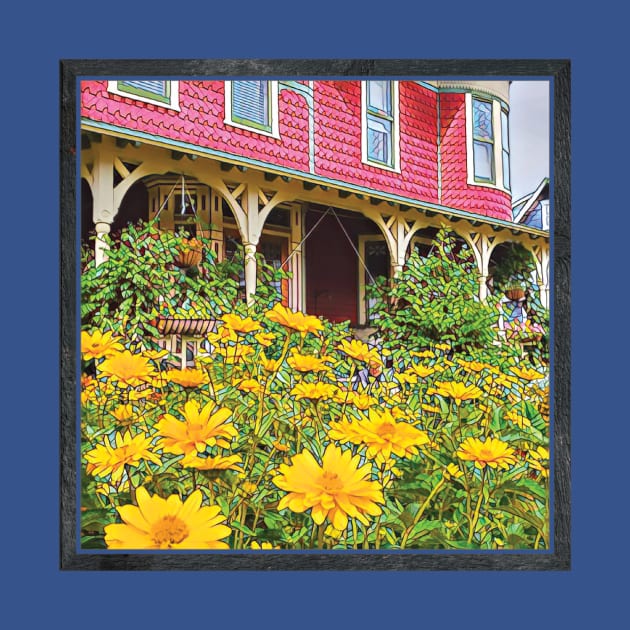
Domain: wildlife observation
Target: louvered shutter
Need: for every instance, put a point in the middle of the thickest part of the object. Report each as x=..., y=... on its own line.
x=249, y=102
x=153, y=87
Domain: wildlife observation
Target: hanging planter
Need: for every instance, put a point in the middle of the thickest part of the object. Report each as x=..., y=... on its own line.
x=514, y=292
x=189, y=255
x=190, y=327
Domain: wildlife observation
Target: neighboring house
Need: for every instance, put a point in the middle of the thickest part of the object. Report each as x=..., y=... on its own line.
x=533, y=209
x=334, y=179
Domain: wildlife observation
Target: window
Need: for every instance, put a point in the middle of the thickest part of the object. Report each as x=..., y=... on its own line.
x=488, y=142
x=505, y=145
x=483, y=141
x=380, y=123
x=164, y=93
x=252, y=105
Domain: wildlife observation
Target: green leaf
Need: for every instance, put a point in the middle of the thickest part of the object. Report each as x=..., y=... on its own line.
x=526, y=516
x=242, y=528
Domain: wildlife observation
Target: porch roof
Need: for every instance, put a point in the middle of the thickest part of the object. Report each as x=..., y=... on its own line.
x=406, y=203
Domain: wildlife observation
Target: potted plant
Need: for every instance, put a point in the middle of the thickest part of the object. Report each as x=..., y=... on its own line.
x=514, y=291
x=189, y=254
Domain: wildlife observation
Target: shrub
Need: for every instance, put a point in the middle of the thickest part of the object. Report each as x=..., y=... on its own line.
x=435, y=300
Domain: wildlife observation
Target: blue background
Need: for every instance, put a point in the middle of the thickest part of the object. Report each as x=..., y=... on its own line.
x=35, y=591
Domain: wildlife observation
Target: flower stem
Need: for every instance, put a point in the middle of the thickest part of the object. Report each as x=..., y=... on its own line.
x=473, y=523
x=418, y=516
x=320, y=535
x=132, y=490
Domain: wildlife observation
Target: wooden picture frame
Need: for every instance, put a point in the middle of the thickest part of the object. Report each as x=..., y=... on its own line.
x=557, y=558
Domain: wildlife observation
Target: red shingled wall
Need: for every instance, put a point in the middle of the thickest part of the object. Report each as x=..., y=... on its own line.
x=200, y=121
x=337, y=135
x=338, y=140
x=456, y=192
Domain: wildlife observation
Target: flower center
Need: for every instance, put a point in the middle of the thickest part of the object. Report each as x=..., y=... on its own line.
x=486, y=454
x=169, y=531
x=386, y=431
x=330, y=481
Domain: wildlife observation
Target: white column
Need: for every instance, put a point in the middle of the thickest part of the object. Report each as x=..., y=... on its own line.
x=481, y=245
x=250, y=271
x=295, y=264
x=483, y=286
x=103, y=195
x=545, y=214
x=250, y=239
x=541, y=258
x=100, y=247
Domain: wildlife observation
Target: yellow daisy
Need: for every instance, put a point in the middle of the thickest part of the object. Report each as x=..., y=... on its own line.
x=294, y=320
x=201, y=427
x=314, y=391
x=493, y=453
x=157, y=523
x=264, y=338
x=188, y=377
x=527, y=373
x=97, y=344
x=360, y=351
x=382, y=434
x=240, y=324
x=458, y=391
x=337, y=489
x=129, y=369
x=229, y=462
x=307, y=363
x=111, y=457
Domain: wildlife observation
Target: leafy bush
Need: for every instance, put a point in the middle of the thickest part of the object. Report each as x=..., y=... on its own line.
x=140, y=282
x=435, y=300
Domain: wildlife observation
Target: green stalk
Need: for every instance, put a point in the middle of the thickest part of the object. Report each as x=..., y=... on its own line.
x=418, y=516
x=320, y=535
x=132, y=490
x=473, y=523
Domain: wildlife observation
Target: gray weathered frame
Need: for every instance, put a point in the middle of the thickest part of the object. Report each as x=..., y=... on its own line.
x=559, y=558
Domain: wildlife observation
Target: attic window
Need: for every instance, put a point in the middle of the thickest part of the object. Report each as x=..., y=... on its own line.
x=252, y=105
x=163, y=93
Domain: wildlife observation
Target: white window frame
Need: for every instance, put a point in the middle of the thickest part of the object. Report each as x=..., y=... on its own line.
x=395, y=166
x=173, y=103
x=273, y=102
x=497, y=154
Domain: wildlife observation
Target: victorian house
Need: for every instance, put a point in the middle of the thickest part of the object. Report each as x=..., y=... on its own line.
x=335, y=180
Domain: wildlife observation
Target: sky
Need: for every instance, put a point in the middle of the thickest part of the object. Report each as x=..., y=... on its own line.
x=529, y=135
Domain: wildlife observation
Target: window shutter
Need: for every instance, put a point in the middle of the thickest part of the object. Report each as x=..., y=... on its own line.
x=249, y=101
x=153, y=87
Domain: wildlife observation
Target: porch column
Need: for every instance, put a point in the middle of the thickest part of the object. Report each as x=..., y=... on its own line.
x=103, y=195
x=216, y=223
x=483, y=285
x=482, y=245
x=250, y=240
x=541, y=257
x=100, y=247
x=250, y=272
x=295, y=264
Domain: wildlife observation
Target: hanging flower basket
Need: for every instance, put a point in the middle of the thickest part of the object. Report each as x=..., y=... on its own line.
x=533, y=338
x=515, y=294
x=189, y=255
x=191, y=327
